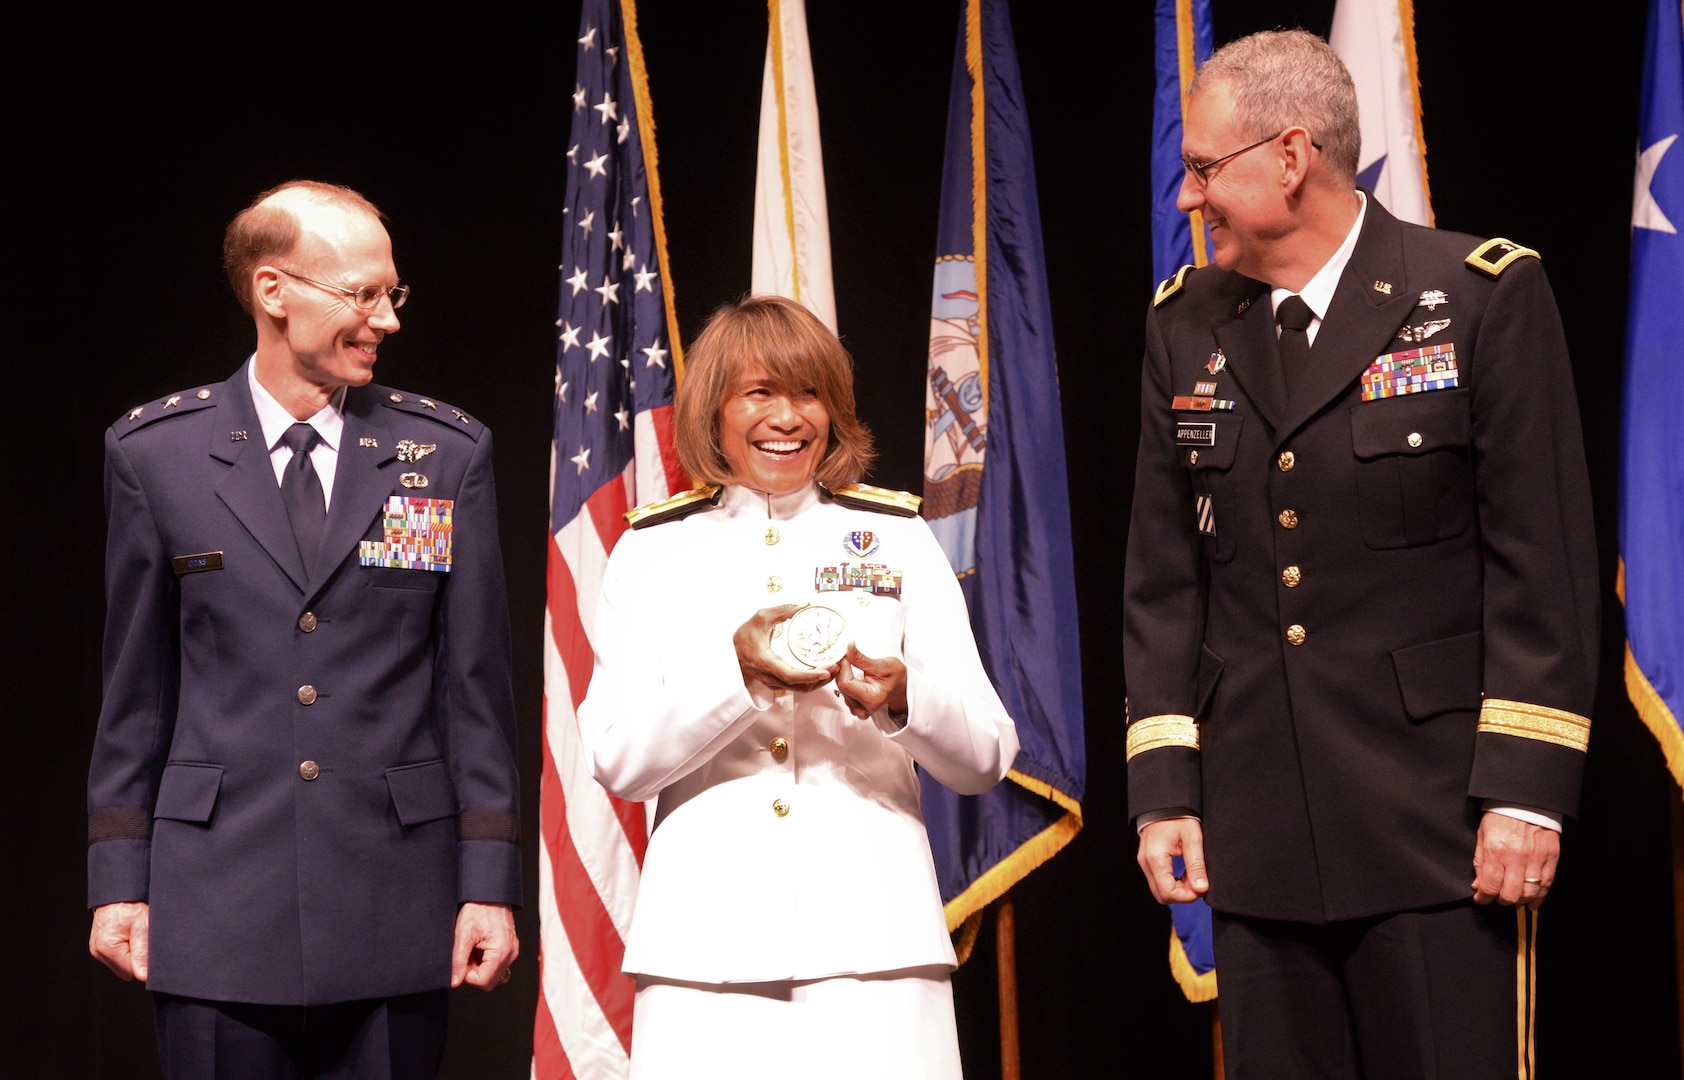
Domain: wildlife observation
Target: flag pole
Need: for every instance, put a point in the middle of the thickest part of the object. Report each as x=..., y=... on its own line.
x=1678, y=907
x=1005, y=966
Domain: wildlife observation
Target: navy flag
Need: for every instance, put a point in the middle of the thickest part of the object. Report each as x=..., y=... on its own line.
x=1184, y=41
x=1652, y=442
x=995, y=491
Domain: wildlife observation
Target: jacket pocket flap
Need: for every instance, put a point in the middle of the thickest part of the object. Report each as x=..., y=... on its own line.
x=1414, y=424
x=1205, y=443
x=422, y=792
x=187, y=792
x=1441, y=676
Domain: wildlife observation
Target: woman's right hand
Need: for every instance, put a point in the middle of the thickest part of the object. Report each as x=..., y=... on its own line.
x=762, y=663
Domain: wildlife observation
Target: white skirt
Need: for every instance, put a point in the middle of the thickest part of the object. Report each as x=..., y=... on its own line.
x=891, y=1025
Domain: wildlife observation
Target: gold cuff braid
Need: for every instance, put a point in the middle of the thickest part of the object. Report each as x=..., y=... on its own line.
x=1168, y=729
x=1538, y=722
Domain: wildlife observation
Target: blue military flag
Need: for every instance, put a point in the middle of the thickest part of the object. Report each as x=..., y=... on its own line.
x=1184, y=41
x=995, y=490
x=1652, y=442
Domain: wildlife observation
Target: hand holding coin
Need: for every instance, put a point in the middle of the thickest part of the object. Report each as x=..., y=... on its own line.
x=764, y=657
x=868, y=683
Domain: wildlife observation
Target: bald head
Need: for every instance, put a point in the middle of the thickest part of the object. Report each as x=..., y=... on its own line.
x=274, y=225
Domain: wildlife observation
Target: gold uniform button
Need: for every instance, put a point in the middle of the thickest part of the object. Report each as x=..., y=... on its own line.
x=309, y=770
x=306, y=694
x=1414, y=438
x=1291, y=576
x=774, y=584
x=1192, y=457
x=307, y=621
x=1295, y=634
x=780, y=807
x=202, y=395
x=397, y=397
x=780, y=747
x=772, y=535
x=1286, y=461
x=1288, y=519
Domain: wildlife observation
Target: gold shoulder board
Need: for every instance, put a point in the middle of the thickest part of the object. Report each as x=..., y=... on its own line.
x=1170, y=286
x=882, y=500
x=1494, y=256
x=674, y=507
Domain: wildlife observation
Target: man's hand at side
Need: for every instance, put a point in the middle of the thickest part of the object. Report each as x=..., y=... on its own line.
x=485, y=947
x=119, y=938
x=1160, y=842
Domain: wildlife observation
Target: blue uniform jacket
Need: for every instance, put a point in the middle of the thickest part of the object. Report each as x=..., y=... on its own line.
x=303, y=770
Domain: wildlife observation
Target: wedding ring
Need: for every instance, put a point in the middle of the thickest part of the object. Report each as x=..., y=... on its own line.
x=1534, y=881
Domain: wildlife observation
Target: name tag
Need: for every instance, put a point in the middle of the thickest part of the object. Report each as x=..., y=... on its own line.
x=194, y=564
x=1195, y=434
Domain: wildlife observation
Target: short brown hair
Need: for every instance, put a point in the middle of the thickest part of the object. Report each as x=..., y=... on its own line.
x=260, y=233
x=799, y=352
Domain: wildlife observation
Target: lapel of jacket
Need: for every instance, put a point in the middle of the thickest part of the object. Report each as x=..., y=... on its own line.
x=1245, y=332
x=361, y=481
x=1372, y=300
x=249, y=489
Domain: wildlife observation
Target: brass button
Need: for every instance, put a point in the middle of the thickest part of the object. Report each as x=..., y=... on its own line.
x=202, y=395
x=1414, y=438
x=1288, y=519
x=1286, y=461
x=780, y=748
x=309, y=770
x=1291, y=576
x=772, y=535
x=774, y=583
x=307, y=621
x=397, y=397
x=1295, y=634
x=779, y=807
x=306, y=694
x=1192, y=457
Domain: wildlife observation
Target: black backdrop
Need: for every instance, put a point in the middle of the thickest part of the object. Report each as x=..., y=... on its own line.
x=135, y=136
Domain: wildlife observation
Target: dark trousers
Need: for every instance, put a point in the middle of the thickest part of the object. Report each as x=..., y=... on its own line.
x=399, y=1038
x=1440, y=994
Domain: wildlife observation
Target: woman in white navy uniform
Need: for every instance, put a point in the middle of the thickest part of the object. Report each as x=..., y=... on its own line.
x=777, y=653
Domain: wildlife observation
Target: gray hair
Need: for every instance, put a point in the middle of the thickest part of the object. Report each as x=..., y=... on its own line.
x=1290, y=78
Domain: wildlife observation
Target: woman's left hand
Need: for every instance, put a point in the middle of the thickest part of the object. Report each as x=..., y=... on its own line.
x=868, y=683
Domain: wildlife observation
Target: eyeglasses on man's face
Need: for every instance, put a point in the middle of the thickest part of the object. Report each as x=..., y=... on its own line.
x=1201, y=170
x=364, y=296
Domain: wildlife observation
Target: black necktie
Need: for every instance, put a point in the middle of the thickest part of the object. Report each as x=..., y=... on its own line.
x=1294, y=315
x=301, y=490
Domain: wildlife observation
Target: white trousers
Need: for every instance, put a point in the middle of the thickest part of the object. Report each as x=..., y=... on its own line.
x=891, y=1025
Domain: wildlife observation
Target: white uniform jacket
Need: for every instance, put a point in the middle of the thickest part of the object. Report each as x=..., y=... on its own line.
x=788, y=841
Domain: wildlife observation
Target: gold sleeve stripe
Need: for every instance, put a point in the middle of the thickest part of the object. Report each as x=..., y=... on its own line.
x=1535, y=722
x=1151, y=732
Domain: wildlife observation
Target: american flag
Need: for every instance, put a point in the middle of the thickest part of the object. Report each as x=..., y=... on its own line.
x=617, y=360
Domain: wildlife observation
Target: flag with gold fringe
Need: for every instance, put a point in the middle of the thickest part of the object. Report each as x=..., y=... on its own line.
x=791, y=219
x=995, y=490
x=1652, y=440
x=1183, y=41
x=612, y=450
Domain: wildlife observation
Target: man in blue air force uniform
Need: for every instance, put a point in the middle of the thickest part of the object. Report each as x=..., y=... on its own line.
x=1361, y=597
x=303, y=799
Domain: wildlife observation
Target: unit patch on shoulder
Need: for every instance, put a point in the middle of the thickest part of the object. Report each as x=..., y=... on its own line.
x=673, y=507
x=882, y=500
x=1494, y=256
x=1170, y=286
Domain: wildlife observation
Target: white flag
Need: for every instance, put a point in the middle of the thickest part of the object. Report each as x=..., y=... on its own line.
x=791, y=223
x=1376, y=39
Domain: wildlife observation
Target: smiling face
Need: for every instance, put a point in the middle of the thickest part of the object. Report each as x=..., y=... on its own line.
x=312, y=338
x=332, y=341
x=1242, y=198
x=772, y=436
